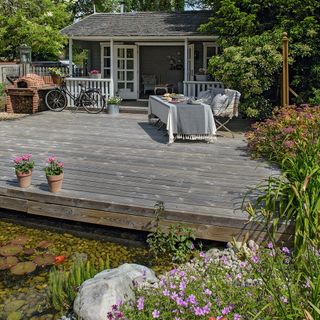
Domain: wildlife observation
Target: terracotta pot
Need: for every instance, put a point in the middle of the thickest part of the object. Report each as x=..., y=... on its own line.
x=55, y=182
x=24, y=179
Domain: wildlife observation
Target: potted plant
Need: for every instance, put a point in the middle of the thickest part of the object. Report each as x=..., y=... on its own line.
x=95, y=74
x=202, y=75
x=113, y=105
x=57, y=75
x=54, y=173
x=23, y=166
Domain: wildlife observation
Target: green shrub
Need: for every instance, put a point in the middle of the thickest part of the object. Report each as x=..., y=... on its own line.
x=2, y=87
x=174, y=244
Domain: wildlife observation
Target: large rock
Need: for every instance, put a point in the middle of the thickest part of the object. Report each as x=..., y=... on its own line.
x=97, y=295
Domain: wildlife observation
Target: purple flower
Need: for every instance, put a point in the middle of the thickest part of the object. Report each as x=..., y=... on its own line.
x=255, y=259
x=270, y=245
x=181, y=302
x=285, y=250
x=242, y=264
x=236, y=316
x=284, y=299
x=192, y=299
x=174, y=296
x=140, y=303
x=166, y=292
x=198, y=311
x=114, y=307
x=202, y=254
x=208, y=292
x=172, y=286
x=182, y=285
x=156, y=314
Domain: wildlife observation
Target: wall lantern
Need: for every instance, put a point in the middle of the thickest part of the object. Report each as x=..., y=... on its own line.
x=25, y=54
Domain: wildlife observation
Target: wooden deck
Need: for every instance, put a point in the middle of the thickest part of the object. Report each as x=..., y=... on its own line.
x=117, y=167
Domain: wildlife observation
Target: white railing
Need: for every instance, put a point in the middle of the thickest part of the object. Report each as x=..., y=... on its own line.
x=193, y=88
x=104, y=85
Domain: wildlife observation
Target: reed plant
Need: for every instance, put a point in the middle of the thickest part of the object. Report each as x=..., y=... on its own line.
x=64, y=283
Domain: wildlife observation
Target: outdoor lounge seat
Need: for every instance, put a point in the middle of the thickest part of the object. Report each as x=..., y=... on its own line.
x=223, y=105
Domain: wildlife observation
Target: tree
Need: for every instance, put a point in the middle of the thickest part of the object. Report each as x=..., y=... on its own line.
x=35, y=23
x=249, y=27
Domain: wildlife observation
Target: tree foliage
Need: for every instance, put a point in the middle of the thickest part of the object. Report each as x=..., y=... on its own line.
x=35, y=23
x=249, y=34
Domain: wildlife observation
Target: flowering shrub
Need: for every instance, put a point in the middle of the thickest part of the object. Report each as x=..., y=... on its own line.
x=53, y=167
x=94, y=71
x=23, y=163
x=225, y=287
x=292, y=139
x=287, y=129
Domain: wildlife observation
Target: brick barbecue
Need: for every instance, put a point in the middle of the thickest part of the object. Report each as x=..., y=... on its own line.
x=26, y=94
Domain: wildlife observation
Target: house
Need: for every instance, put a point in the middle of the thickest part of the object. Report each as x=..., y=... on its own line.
x=138, y=50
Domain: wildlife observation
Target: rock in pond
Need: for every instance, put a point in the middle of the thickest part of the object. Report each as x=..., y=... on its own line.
x=97, y=295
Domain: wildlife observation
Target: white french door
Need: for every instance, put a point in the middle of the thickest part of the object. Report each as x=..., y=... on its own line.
x=125, y=71
x=190, y=61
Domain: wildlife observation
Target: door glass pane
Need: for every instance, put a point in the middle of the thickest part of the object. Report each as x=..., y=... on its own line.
x=130, y=86
x=106, y=73
x=121, y=52
x=107, y=51
x=129, y=75
x=129, y=53
x=121, y=75
x=130, y=64
x=120, y=85
x=107, y=62
x=121, y=64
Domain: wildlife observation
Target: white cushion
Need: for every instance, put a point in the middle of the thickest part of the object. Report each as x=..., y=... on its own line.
x=219, y=103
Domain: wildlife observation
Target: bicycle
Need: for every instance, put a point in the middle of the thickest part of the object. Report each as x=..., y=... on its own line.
x=90, y=99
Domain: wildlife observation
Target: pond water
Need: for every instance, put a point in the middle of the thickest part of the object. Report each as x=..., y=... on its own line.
x=26, y=296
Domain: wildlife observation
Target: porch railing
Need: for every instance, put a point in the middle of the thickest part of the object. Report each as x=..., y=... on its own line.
x=44, y=71
x=104, y=85
x=193, y=88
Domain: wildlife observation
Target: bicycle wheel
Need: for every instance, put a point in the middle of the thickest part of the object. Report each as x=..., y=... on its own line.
x=56, y=100
x=93, y=101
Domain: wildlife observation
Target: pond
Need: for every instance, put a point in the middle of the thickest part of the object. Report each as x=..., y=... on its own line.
x=26, y=296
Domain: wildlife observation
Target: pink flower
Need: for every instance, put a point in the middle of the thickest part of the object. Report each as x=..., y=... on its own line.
x=51, y=159
x=288, y=130
x=289, y=144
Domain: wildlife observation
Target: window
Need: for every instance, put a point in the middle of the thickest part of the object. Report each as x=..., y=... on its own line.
x=209, y=49
x=106, y=61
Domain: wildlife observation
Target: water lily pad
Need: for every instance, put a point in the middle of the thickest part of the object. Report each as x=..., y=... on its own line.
x=8, y=262
x=10, y=250
x=29, y=251
x=23, y=268
x=20, y=240
x=44, y=259
x=44, y=244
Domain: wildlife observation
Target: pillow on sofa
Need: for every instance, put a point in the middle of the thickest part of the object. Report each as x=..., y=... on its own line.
x=219, y=103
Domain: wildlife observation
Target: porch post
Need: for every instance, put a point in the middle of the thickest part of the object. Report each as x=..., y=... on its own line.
x=70, y=58
x=111, y=93
x=185, y=65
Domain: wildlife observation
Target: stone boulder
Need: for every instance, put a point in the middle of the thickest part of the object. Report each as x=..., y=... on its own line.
x=97, y=295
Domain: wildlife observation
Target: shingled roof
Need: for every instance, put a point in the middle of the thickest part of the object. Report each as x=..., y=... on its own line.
x=139, y=24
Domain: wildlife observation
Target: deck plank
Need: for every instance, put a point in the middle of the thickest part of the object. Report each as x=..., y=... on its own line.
x=118, y=167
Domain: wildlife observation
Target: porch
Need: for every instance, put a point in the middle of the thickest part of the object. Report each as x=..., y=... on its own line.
x=118, y=167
